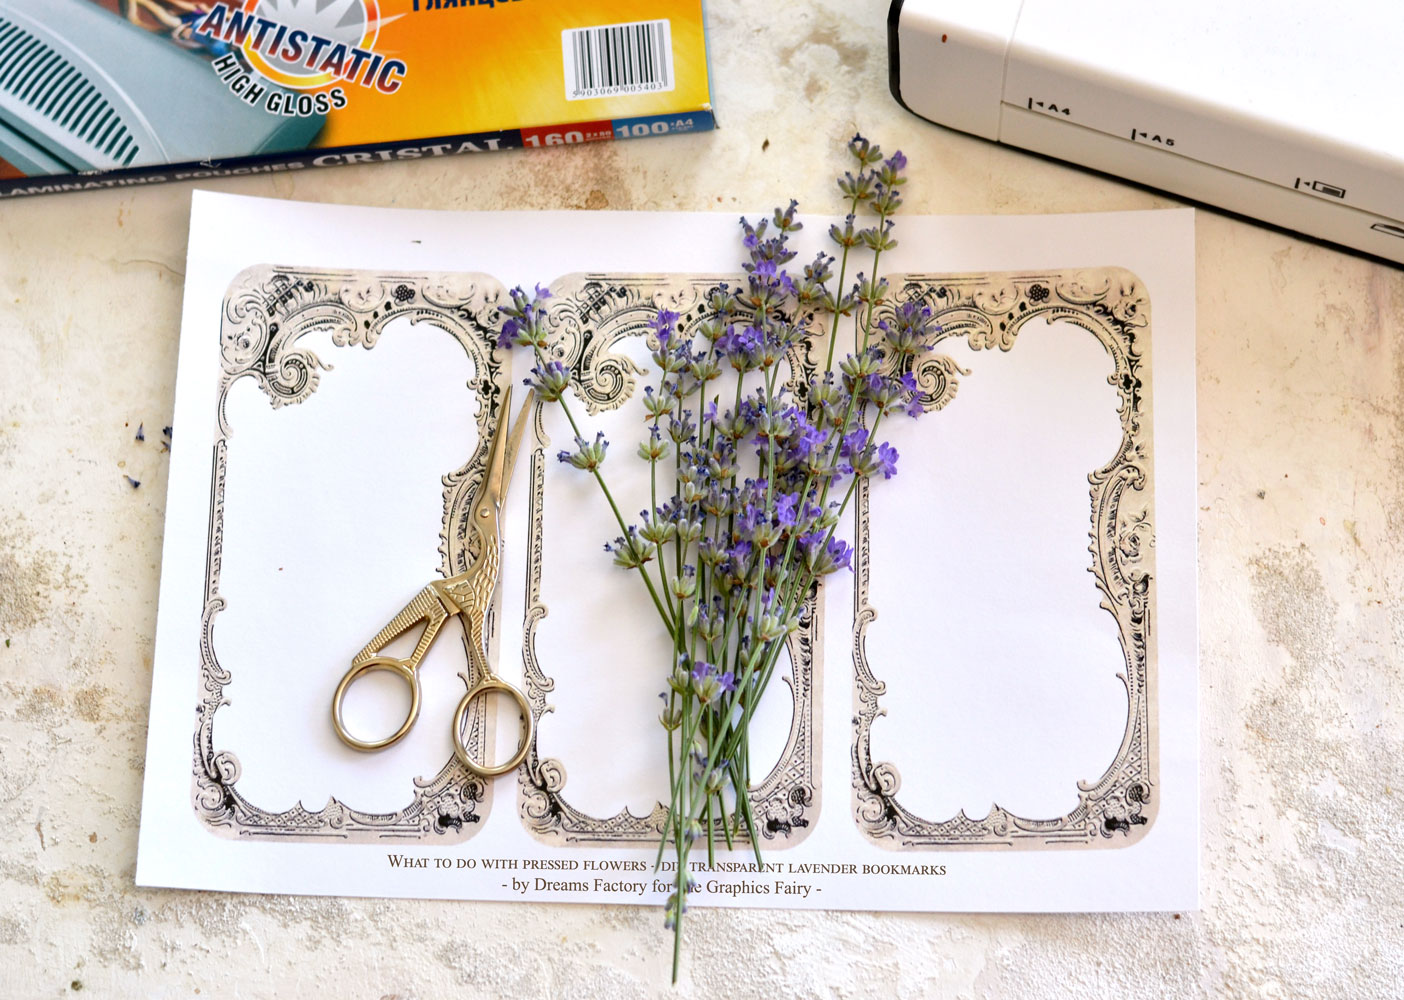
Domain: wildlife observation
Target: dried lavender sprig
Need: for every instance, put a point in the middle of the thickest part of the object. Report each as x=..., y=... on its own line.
x=888, y=179
x=859, y=189
x=526, y=327
x=708, y=725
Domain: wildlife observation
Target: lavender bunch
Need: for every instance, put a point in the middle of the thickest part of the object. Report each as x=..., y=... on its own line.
x=754, y=452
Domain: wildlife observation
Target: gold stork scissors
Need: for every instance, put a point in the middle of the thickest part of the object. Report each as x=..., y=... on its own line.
x=469, y=595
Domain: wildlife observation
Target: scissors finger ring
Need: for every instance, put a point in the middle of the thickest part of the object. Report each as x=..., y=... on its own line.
x=490, y=685
x=391, y=665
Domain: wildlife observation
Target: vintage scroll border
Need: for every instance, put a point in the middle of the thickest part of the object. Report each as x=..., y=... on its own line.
x=591, y=315
x=266, y=312
x=988, y=312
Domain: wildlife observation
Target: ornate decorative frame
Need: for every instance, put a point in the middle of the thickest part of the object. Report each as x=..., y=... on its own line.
x=988, y=311
x=267, y=311
x=592, y=314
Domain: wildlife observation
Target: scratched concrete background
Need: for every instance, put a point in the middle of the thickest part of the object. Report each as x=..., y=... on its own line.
x=1301, y=447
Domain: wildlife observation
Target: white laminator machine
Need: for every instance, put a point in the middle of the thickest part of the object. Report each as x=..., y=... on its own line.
x=1287, y=111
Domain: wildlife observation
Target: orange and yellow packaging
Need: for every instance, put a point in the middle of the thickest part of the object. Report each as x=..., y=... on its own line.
x=98, y=93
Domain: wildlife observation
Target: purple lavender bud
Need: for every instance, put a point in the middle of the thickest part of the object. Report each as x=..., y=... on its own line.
x=550, y=381
x=785, y=513
x=887, y=460
x=853, y=442
x=588, y=455
x=750, y=517
x=662, y=326
x=509, y=330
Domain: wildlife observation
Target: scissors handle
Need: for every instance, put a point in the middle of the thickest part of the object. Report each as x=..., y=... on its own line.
x=491, y=684
x=404, y=669
x=425, y=609
x=431, y=607
x=478, y=594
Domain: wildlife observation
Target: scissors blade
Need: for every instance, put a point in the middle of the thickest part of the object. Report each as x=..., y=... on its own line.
x=502, y=457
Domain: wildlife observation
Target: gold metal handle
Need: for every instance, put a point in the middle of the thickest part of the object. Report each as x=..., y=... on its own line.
x=359, y=670
x=484, y=687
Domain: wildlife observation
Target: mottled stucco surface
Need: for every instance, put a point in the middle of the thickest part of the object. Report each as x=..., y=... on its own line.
x=1301, y=550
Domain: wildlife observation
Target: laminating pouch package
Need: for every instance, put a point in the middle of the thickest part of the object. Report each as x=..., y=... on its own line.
x=101, y=93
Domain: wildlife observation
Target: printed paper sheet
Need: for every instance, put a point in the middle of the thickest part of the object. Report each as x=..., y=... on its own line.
x=994, y=711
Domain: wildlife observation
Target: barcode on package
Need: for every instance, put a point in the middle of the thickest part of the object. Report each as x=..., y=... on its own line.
x=635, y=58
